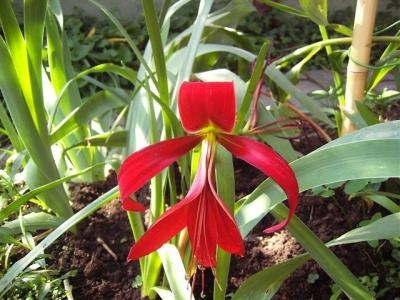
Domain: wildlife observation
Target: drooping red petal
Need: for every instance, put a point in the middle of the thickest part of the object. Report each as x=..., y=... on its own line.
x=173, y=220
x=202, y=229
x=269, y=162
x=229, y=237
x=209, y=222
x=141, y=166
x=207, y=103
x=163, y=229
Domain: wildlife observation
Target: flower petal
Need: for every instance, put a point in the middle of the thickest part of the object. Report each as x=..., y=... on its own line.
x=142, y=165
x=163, y=229
x=202, y=104
x=269, y=162
x=202, y=228
x=173, y=220
x=229, y=237
x=210, y=224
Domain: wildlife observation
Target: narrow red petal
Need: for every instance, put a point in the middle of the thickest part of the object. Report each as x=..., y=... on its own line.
x=207, y=103
x=229, y=237
x=144, y=164
x=202, y=228
x=165, y=227
x=173, y=220
x=269, y=162
x=210, y=224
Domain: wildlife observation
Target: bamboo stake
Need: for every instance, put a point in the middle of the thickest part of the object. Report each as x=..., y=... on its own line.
x=360, y=50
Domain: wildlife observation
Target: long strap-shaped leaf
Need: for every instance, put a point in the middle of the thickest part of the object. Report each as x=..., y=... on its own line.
x=372, y=152
x=21, y=85
x=265, y=283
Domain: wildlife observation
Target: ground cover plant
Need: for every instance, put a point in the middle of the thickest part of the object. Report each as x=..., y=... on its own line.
x=195, y=108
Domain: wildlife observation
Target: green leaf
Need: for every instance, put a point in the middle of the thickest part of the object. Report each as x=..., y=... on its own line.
x=368, y=153
x=371, y=152
x=175, y=272
x=164, y=293
x=383, y=201
x=108, y=139
x=225, y=182
x=354, y=186
x=263, y=285
x=256, y=76
x=32, y=223
x=342, y=29
x=368, y=116
x=385, y=228
x=316, y=10
x=95, y=106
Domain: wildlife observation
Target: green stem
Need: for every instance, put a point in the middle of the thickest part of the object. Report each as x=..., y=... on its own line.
x=337, y=80
x=137, y=228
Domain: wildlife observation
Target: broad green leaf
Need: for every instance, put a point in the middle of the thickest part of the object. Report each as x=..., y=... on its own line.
x=368, y=116
x=354, y=186
x=34, y=22
x=32, y=223
x=381, y=200
x=316, y=10
x=225, y=183
x=60, y=71
x=342, y=29
x=108, y=139
x=164, y=293
x=10, y=130
x=266, y=280
x=368, y=153
x=263, y=285
x=371, y=152
x=232, y=13
x=385, y=228
x=378, y=74
x=34, y=142
x=175, y=272
x=92, y=108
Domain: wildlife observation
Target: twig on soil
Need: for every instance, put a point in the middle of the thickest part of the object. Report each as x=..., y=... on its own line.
x=105, y=246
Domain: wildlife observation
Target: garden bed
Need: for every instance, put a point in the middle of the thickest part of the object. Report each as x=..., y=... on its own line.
x=99, y=249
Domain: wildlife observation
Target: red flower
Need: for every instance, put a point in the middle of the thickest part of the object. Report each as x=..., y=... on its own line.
x=207, y=111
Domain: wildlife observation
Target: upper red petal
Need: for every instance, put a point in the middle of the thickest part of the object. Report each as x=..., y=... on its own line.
x=207, y=103
x=141, y=166
x=269, y=162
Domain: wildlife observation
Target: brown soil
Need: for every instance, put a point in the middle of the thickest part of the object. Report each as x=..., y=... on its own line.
x=98, y=251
